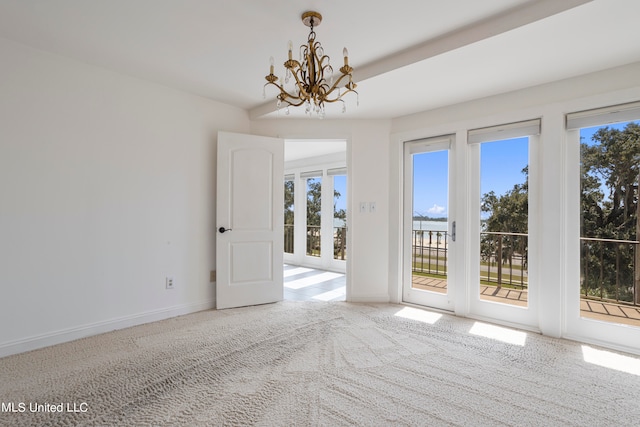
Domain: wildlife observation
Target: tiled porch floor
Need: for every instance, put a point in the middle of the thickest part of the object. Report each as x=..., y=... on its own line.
x=592, y=309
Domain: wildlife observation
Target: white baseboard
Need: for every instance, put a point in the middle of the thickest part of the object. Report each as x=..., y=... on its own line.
x=379, y=298
x=65, y=335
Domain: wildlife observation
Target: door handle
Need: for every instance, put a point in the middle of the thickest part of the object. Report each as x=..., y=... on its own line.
x=222, y=229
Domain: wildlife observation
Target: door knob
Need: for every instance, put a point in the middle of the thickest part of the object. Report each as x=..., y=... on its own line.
x=222, y=229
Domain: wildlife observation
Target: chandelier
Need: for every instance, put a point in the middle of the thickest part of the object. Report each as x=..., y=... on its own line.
x=310, y=73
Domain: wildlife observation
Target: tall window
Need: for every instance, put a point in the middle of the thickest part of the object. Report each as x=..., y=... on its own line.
x=609, y=209
x=504, y=211
x=314, y=214
x=339, y=213
x=289, y=209
x=504, y=220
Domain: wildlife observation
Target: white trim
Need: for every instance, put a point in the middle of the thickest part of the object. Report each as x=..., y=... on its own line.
x=523, y=317
x=311, y=174
x=71, y=334
x=337, y=171
x=370, y=298
x=506, y=131
x=436, y=143
x=603, y=116
x=409, y=294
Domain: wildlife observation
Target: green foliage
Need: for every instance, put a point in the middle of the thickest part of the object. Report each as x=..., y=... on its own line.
x=314, y=201
x=289, y=202
x=610, y=165
x=508, y=213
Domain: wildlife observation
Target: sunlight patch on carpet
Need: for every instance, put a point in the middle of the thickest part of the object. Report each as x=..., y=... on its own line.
x=419, y=315
x=498, y=333
x=608, y=359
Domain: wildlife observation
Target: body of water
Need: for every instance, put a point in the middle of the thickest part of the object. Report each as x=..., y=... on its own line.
x=431, y=225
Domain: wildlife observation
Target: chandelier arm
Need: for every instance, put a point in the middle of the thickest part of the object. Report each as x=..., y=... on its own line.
x=337, y=82
x=300, y=87
x=294, y=104
x=339, y=98
x=286, y=94
x=276, y=85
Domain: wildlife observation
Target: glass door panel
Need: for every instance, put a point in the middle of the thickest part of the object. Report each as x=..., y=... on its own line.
x=609, y=232
x=289, y=214
x=504, y=221
x=340, y=217
x=314, y=216
x=427, y=223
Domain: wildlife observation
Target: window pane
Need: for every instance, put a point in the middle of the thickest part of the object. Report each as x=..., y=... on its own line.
x=429, y=236
x=289, y=208
x=314, y=193
x=609, y=233
x=504, y=221
x=340, y=217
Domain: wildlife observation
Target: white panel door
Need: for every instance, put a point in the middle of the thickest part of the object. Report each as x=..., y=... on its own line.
x=250, y=220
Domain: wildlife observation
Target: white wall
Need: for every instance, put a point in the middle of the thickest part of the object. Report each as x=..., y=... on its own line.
x=368, y=181
x=107, y=185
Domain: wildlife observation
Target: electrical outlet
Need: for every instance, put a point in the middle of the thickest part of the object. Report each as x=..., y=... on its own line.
x=170, y=283
x=372, y=207
x=363, y=207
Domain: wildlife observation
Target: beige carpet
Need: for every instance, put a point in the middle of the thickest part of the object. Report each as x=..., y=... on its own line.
x=319, y=364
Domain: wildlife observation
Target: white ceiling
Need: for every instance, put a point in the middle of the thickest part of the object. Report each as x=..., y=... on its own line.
x=408, y=55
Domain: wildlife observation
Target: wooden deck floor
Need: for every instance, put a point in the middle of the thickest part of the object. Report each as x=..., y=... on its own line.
x=606, y=311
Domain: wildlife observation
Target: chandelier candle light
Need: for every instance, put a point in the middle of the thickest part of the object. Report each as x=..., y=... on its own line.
x=310, y=87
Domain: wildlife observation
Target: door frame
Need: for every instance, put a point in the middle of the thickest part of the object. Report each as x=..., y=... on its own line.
x=320, y=163
x=407, y=293
x=495, y=312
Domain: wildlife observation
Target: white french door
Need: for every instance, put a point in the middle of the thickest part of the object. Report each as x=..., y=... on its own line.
x=429, y=223
x=502, y=233
x=250, y=220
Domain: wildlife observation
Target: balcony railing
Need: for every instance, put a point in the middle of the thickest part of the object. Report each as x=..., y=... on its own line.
x=313, y=240
x=609, y=270
x=288, y=238
x=503, y=256
x=503, y=259
x=430, y=252
x=340, y=243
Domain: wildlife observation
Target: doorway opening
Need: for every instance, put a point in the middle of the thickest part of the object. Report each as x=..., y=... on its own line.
x=315, y=217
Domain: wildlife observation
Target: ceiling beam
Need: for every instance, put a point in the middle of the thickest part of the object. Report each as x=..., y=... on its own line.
x=498, y=24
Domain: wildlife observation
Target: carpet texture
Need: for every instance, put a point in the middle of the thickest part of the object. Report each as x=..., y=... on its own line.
x=318, y=364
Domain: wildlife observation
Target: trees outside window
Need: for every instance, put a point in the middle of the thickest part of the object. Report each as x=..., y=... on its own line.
x=289, y=208
x=609, y=229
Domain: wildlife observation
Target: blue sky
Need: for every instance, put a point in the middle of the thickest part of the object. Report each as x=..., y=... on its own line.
x=340, y=184
x=501, y=164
